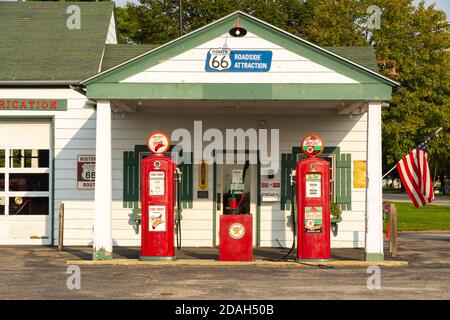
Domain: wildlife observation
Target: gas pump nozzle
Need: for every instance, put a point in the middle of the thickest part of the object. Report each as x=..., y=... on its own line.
x=292, y=175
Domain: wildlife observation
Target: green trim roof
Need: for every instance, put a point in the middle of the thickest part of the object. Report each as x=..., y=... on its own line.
x=36, y=44
x=364, y=56
x=117, y=53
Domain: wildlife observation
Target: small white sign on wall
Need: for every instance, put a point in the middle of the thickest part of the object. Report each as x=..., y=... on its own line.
x=270, y=191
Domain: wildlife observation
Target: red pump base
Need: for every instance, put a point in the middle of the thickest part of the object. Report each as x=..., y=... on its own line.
x=236, y=237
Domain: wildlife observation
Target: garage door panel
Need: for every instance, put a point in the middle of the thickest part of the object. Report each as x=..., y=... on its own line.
x=25, y=182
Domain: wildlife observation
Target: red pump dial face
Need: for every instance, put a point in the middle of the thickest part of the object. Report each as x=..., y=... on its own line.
x=312, y=145
x=158, y=142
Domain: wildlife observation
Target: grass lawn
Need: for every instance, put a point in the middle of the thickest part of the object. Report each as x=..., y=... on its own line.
x=428, y=217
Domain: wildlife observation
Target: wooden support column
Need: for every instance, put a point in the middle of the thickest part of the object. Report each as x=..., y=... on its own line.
x=374, y=196
x=103, y=183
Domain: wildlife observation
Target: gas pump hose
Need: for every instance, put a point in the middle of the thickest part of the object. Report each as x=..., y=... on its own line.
x=294, y=226
x=178, y=218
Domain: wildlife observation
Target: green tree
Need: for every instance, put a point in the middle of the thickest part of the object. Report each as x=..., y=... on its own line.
x=417, y=39
x=157, y=21
x=414, y=38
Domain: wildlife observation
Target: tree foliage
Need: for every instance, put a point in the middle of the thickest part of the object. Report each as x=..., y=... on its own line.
x=415, y=38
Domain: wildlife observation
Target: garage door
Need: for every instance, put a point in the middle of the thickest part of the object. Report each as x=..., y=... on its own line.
x=25, y=182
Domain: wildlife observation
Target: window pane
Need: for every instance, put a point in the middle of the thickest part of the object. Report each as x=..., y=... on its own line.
x=43, y=158
x=28, y=206
x=2, y=206
x=28, y=182
x=29, y=158
x=15, y=158
x=2, y=182
x=2, y=158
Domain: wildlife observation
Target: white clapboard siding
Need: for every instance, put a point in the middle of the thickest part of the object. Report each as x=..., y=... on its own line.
x=75, y=135
x=286, y=66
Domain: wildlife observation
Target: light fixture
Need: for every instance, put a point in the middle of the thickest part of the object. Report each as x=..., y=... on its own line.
x=237, y=31
x=393, y=71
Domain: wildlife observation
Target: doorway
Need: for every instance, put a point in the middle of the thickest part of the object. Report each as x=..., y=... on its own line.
x=25, y=182
x=233, y=179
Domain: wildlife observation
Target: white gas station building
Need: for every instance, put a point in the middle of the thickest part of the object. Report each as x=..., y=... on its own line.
x=68, y=108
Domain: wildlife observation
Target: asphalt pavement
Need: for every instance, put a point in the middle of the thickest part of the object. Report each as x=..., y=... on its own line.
x=41, y=273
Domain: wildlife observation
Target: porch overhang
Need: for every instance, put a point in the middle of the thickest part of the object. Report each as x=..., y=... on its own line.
x=237, y=91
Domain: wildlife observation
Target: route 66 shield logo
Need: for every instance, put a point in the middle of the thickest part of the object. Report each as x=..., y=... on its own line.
x=219, y=59
x=88, y=172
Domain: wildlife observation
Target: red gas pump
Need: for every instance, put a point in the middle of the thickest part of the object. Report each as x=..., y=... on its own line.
x=158, y=174
x=313, y=202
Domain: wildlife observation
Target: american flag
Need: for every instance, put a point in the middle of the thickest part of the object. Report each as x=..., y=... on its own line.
x=415, y=175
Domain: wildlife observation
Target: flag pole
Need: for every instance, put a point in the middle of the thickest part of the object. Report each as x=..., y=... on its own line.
x=431, y=136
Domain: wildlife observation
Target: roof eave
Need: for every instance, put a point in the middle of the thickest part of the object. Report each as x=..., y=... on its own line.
x=391, y=82
x=39, y=82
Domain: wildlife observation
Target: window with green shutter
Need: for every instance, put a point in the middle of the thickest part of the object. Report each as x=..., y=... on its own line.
x=340, y=176
x=132, y=177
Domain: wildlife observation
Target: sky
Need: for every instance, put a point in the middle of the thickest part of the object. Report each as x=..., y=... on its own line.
x=440, y=4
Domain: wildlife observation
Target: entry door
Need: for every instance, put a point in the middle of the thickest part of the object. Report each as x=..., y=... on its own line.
x=25, y=182
x=224, y=179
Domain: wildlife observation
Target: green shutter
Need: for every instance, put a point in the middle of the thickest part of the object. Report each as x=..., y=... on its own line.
x=130, y=180
x=187, y=184
x=287, y=161
x=344, y=180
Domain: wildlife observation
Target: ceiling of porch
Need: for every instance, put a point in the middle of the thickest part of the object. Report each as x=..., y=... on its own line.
x=239, y=106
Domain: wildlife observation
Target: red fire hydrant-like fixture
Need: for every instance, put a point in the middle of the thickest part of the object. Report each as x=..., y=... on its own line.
x=313, y=202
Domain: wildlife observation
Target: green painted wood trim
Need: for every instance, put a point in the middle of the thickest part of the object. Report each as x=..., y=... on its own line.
x=222, y=26
x=239, y=91
x=335, y=220
x=136, y=214
x=373, y=256
x=143, y=258
x=287, y=161
x=343, y=180
x=52, y=146
x=131, y=179
x=328, y=150
x=12, y=104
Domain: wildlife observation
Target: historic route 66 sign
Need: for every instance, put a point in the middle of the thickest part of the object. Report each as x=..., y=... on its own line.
x=219, y=59
x=86, y=172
